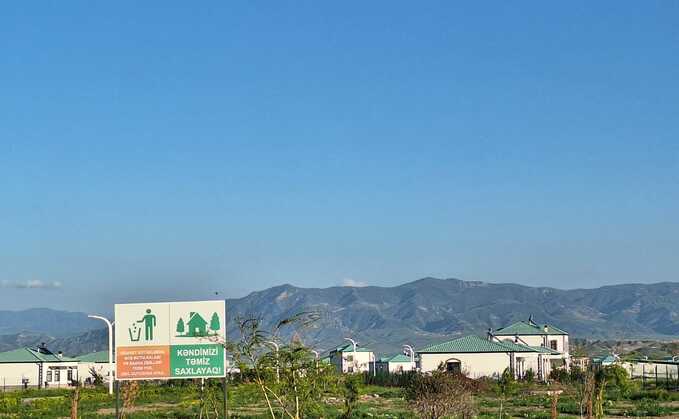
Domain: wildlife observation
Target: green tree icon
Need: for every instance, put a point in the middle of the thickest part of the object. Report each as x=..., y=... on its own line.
x=180, y=326
x=214, y=322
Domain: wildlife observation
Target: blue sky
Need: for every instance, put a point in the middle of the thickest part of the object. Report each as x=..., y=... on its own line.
x=169, y=150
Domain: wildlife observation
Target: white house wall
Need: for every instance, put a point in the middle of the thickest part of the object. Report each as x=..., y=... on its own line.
x=360, y=363
x=537, y=340
x=12, y=374
x=474, y=365
x=100, y=367
x=63, y=368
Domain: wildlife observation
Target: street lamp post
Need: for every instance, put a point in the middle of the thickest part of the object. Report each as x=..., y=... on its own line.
x=110, y=350
x=411, y=351
x=353, y=342
x=316, y=356
x=374, y=364
x=275, y=345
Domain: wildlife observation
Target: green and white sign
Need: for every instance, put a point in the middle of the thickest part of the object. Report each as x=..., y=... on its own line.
x=192, y=361
x=170, y=340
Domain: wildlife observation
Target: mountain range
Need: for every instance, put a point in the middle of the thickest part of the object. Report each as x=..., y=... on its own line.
x=415, y=313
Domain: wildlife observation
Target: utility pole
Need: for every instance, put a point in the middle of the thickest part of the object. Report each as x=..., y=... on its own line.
x=111, y=371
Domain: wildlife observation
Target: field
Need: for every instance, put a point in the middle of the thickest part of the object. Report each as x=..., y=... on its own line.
x=184, y=400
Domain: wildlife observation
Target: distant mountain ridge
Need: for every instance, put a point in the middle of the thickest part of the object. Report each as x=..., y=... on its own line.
x=431, y=309
x=45, y=320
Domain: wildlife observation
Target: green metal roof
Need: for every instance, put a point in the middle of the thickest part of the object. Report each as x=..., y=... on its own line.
x=399, y=358
x=350, y=348
x=516, y=347
x=473, y=344
x=395, y=358
x=101, y=356
x=525, y=328
x=544, y=350
x=32, y=355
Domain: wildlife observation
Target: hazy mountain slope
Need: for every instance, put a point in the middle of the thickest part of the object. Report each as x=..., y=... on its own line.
x=432, y=309
x=47, y=321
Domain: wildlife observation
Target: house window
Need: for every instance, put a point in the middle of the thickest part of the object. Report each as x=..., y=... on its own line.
x=350, y=358
x=49, y=376
x=70, y=375
x=350, y=369
x=552, y=344
x=57, y=376
x=453, y=367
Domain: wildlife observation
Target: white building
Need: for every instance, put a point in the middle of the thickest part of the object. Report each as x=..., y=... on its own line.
x=650, y=369
x=97, y=362
x=36, y=367
x=533, y=334
x=395, y=364
x=551, y=341
x=477, y=357
x=346, y=360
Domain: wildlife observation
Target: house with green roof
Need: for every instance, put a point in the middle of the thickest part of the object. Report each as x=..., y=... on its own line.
x=477, y=357
x=531, y=333
x=94, y=363
x=348, y=359
x=395, y=364
x=37, y=367
x=551, y=340
x=471, y=355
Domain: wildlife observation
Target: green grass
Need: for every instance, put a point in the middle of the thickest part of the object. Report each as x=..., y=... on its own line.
x=182, y=400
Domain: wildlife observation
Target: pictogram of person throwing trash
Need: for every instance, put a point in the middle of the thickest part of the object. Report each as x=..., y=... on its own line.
x=149, y=321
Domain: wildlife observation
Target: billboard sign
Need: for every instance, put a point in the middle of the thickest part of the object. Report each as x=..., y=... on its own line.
x=170, y=340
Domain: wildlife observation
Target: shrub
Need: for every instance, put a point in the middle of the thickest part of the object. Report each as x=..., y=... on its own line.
x=529, y=376
x=648, y=407
x=657, y=394
x=441, y=394
x=560, y=375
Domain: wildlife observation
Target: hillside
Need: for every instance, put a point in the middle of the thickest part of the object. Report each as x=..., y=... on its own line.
x=424, y=311
x=45, y=321
x=431, y=309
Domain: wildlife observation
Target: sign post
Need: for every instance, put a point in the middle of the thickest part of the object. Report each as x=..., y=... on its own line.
x=160, y=341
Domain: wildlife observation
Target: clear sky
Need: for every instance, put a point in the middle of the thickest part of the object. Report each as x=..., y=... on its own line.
x=166, y=150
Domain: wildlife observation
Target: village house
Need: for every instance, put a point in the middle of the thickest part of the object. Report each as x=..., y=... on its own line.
x=94, y=362
x=395, y=364
x=36, y=367
x=604, y=360
x=581, y=362
x=471, y=355
x=521, y=348
x=532, y=334
x=346, y=360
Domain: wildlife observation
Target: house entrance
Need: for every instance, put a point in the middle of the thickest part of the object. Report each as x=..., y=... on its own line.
x=453, y=366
